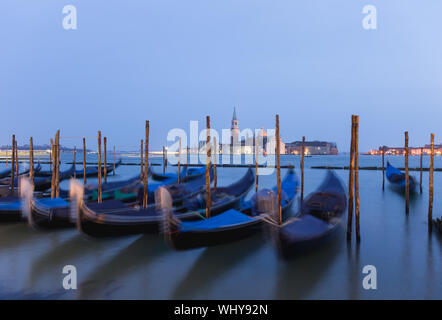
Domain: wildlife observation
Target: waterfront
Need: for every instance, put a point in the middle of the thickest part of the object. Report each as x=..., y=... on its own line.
x=407, y=259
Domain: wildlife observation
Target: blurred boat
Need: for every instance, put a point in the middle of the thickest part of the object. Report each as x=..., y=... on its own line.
x=397, y=179
x=319, y=219
x=232, y=224
x=112, y=218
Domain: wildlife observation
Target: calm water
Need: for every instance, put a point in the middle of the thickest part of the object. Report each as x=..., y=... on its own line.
x=407, y=259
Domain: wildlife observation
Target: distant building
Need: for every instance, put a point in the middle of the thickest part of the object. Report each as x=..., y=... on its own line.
x=312, y=148
x=413, y=151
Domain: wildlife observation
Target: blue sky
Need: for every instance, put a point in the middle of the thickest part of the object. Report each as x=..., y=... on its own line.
x=172, y=61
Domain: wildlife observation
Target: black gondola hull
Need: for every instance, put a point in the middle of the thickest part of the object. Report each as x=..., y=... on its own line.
x=192, y=240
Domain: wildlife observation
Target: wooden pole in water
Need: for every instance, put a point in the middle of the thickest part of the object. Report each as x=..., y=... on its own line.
x=356, y=147
x=278, y=168
x=57, y=172
x=51, y=155
x=256, y=164
x=420, y=181
x=141, y=161
x=113, y=171
x=302, y=168
x=146, y=165
x=84, y=161
x=350, y=179
x=31, y=160
x=75, y=160
x=53, y=169
x=179, y=160
x=208, y=156
x=407, y=179
x=187, y=159
x=105, y=158
x=16, y=159
x=12, y=163
x=215, y=159
x=99, y=166
x=164, y=159
x=430, y=193
x=383, y=168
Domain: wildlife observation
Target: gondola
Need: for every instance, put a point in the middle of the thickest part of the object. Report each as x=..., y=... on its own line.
x=48, y=173
x=112, y=218
x=187, y=173
x=43, y=183
x=232, y=224
x=55, y=213
x=320, y=217
x=5, y=175
x=10, y=209
x=397, y=179
x=437, y=223
x=52, y=213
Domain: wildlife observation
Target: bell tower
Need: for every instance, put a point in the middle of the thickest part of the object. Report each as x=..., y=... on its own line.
x=234, y=127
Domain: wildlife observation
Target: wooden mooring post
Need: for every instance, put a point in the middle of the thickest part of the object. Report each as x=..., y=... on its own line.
x=215, y=159
x=84, y=161
x=141, y=161
x=57, y=171
x=383, y=168
x=302, y=168
x=75, y=161
x=12, y=164
x=146, y=165
x=430, y=192
x=356, y=157
x=407, y=177
x=31, y=160
x=164, y=159
x=350, y=180
x=256, y=163
x=179, y=160
x=208, y=158
x=51, y=156
x=105, y=158
x=113, y=171
x=278, y=168
x=99, y=166
x=53, y=169
x=16, y=160
x=420, y=180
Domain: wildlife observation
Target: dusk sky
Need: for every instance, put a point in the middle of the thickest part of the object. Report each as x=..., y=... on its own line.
x=172, y=61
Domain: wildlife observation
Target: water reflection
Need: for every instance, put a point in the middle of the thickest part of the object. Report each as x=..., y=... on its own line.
x=292, y=280
x=213, y=263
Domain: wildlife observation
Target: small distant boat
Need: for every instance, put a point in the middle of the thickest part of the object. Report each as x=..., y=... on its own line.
x=233, y=224
x=397, y=179
x=320, y=217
